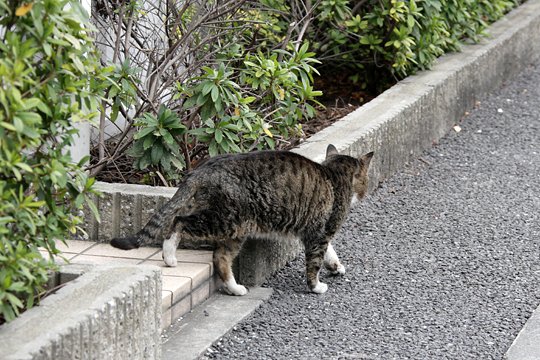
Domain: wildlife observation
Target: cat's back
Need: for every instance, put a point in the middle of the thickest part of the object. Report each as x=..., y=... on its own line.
x=272, y=167
x=265, y=181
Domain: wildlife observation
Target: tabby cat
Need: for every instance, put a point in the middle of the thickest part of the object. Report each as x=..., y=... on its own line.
x=261, y=194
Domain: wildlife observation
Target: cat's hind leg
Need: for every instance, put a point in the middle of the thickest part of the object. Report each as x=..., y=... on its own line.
x=314, y=261
x=332, y=263
x=224, y=255
x=169, y=250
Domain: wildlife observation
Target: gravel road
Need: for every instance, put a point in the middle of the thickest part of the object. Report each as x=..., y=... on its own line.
x=443, y=259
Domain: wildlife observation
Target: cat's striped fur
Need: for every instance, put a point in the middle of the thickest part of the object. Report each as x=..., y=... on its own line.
x=269, y=193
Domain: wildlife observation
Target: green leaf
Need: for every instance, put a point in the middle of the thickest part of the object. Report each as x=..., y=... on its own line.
x=16, y=173
x=271, y=143
x=8, y=126
x=15, y=302
x=148, y=142
x=213, y=148
x=248, y=99
x=156, y=154
x=215, y=93
x=24, y=166
x=93, y=209
x=18, y=124
x=169, y=139
x=143, y=132
x=197, y=131
x=47, y=48
x=179, y=164
x=31, y=103
x=207, y=86
x=218, y=135
x=29, y=117
x=233, y=127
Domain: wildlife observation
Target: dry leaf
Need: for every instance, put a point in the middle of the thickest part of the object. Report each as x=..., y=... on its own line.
x=281, y=93
x=24, y=9
x=266, y=131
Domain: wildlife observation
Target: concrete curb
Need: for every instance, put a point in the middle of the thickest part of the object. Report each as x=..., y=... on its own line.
x=526, y=346
x=190, y=338
x=106, y=312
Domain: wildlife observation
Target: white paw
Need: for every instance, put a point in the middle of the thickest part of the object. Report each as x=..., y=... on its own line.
x=339, y=271
x=320, y=288
x=169, y=250
x=170, y=261
x=238, y=290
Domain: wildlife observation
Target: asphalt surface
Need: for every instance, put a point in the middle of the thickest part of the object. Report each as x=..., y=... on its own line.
x=443, y=259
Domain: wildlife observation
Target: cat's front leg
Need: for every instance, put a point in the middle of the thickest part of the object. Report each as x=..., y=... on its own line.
x=332, y=263
x=223, y=258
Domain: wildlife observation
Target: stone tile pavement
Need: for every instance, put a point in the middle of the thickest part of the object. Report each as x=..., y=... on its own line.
x=184, y=286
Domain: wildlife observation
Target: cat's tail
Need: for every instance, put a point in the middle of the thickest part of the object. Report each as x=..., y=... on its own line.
x=126, y=243
x=158, y=226
x=151, y=232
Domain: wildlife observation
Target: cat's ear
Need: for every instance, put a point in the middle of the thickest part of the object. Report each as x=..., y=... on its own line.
x=366, y=159
x=331, y=150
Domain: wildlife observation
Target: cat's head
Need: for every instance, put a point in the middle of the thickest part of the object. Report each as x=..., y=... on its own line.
x=360, y=167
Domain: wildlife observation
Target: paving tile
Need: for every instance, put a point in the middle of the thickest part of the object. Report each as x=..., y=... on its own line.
x=108, y=250
x=197, y=272
x=181, y=308
x=74, y=246
x=166, y=319
x=102, y=260
x=179, y=286
x=194, y=256
x=200, y=294
x=166, y=300
x=57, y=259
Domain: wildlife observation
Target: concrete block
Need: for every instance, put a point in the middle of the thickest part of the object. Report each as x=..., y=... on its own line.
x=259, y=258
x=124, y=209
x=105, y=313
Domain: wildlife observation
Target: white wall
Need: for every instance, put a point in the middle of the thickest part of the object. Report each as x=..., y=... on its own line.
x=81, y=146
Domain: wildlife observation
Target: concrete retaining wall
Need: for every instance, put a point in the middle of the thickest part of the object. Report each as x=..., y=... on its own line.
x=105, y=313
x=415, y=113
x=398, y=125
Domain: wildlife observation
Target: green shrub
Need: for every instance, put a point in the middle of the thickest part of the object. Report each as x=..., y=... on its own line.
x=224, y=83
x=239, y=76
x=49, y=79
x=380, y=41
